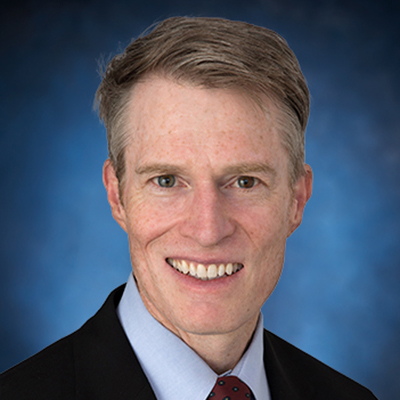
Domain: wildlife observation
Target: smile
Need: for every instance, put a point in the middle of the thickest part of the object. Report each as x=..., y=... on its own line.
x=204, y=271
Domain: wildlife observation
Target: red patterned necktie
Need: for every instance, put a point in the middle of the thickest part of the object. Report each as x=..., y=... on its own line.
x=230, y=388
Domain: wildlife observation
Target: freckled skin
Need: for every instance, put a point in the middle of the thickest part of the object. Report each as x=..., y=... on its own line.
x=206, y=139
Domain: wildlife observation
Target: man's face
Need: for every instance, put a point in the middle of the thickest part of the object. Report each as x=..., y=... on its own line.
x=206, y=194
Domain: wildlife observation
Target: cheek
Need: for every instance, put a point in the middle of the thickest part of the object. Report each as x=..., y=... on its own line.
x=268, y=236
x=268, y=257
x=149, y=219
x=266, y=225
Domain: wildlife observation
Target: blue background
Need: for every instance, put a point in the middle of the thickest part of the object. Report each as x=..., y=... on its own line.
x=61, y=251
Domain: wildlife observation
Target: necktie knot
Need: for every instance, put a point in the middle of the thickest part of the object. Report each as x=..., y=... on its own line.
x=230, y=388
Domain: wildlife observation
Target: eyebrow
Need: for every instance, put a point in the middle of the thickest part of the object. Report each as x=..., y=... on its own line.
x=246, y=168
x=157, y=169
x=237, y=169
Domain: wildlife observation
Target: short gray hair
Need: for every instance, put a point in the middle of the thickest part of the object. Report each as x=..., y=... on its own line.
x=211, y=53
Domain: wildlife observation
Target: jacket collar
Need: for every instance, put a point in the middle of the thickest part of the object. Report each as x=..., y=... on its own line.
x=105, y=365
x=286, y=382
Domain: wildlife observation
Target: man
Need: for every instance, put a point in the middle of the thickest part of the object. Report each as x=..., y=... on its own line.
x=205, y=121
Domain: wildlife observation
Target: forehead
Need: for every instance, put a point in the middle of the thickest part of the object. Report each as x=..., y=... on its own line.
x=165, y=118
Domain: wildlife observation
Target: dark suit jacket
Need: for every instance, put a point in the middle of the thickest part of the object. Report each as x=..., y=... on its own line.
x=97, y=362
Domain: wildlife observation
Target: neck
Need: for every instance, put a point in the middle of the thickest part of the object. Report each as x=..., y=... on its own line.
x=221, y=351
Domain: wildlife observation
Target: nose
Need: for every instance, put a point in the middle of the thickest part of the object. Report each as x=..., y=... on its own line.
x=206, y=218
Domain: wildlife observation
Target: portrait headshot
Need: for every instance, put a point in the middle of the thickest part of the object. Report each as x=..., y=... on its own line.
x=165, y=167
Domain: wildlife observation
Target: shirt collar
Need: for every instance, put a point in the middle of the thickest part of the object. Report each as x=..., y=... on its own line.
x=173, y=369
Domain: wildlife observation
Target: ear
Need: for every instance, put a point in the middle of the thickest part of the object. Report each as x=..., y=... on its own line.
x=301, y=194
x=111, y=184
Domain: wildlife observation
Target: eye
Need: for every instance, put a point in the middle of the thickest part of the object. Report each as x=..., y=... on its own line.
x=246, y=182
x=166, y=181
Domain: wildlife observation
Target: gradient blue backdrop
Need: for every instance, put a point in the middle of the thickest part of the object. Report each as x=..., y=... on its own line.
x=61, y=251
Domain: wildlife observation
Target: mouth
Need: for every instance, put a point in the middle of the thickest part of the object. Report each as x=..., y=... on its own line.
x=205, y=272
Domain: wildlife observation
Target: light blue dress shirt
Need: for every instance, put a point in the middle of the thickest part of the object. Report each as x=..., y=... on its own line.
x=173, y=369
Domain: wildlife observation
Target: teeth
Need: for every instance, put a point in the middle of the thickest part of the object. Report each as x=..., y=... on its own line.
x=192, y=269
x=201, y=271
x=184, y=267
x=229, y=269
x=212, y=271
x=204, y=272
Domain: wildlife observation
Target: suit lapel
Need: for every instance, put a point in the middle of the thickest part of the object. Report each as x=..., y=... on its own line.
x=286, y=382
x=105, y=365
